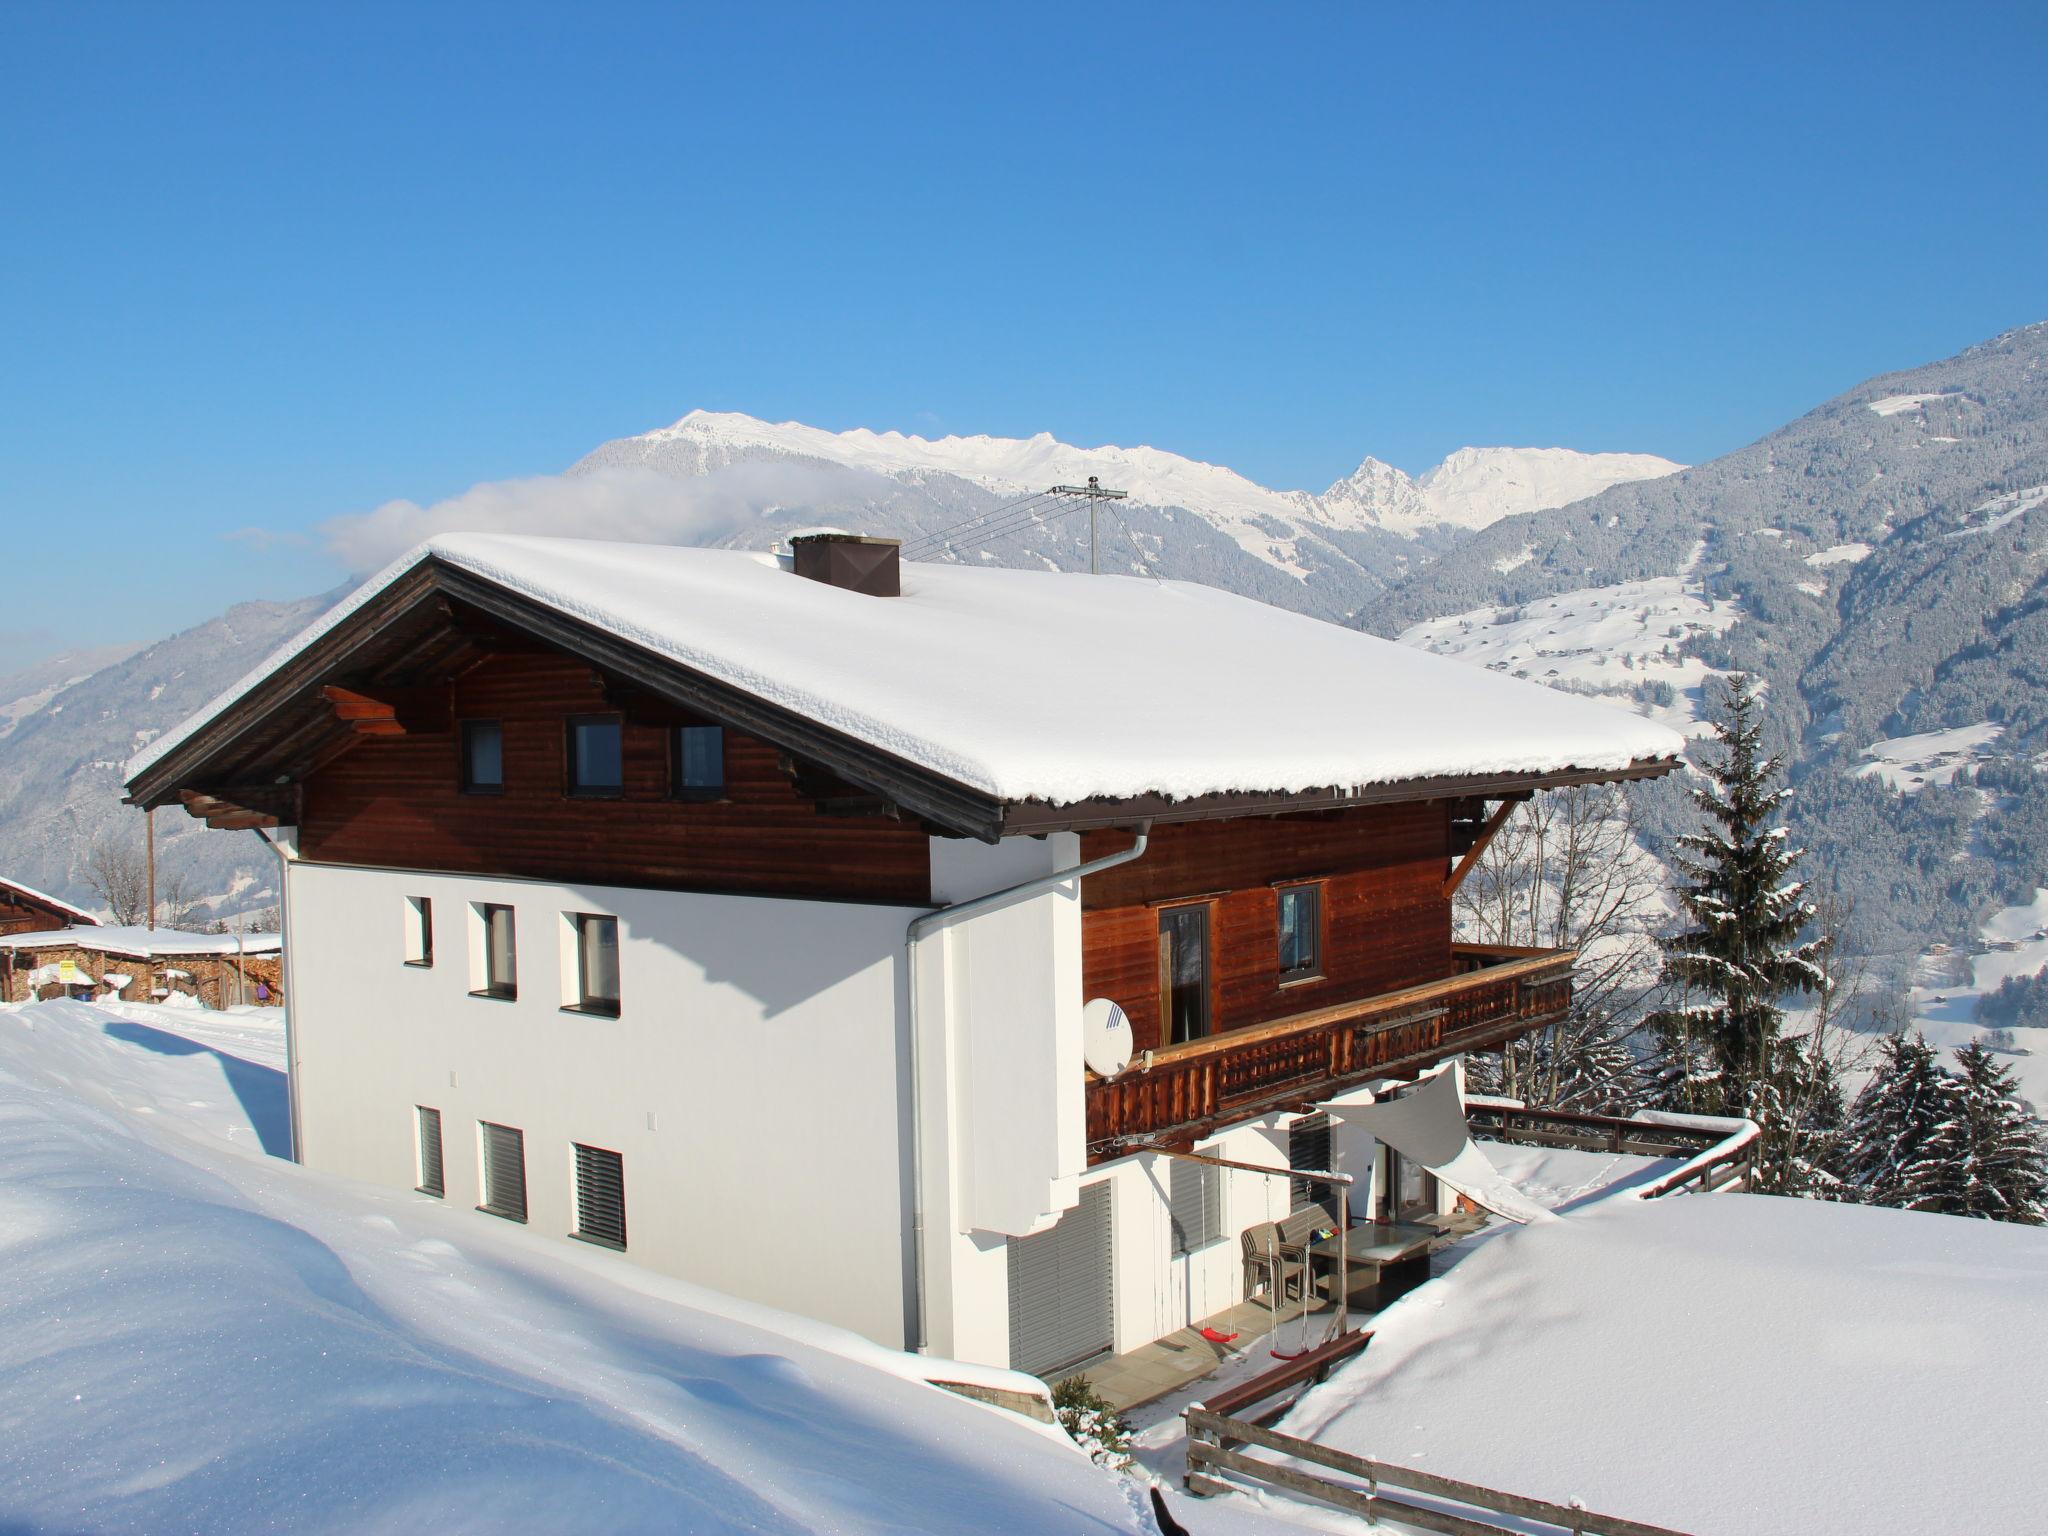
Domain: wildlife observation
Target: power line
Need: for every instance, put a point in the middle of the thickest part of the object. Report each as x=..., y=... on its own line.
x=1092, y=493
x=941, y=540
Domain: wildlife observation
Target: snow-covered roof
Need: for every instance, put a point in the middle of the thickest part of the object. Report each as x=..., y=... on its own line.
x=1039, y=685
x=1853, y=1368
x=143, y=943
x=44, y=899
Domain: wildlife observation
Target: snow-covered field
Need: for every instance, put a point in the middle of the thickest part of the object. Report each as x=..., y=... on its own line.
x=1944, y=1000
x=1603, y=639
x=1724, y=1363
x=1897, y=405
x=1911, y=763
x=198, y=1336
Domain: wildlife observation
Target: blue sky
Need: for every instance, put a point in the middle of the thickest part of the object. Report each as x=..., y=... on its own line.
x=266, y=266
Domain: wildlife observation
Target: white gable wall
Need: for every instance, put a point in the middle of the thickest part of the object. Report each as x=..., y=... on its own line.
x=755, y=1083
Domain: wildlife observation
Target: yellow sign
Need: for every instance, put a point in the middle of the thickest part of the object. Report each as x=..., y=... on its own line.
x=70, y=975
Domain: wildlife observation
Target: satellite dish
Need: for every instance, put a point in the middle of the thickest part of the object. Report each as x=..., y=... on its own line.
x=1105, y=1037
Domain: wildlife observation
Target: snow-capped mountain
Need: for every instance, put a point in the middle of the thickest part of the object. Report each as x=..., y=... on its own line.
x=1476, y=487
x=1471, y=488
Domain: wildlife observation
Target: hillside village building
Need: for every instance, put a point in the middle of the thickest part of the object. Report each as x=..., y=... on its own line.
x=109, y=962
x=740, y=911
x=23, y=909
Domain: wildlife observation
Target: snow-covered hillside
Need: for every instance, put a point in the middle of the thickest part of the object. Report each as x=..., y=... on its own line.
x=1625, y=642
x=1471, y=488
x=198, y=1336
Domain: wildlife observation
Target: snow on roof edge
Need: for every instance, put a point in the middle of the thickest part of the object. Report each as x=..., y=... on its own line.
x=145, y=943
x=44, y=896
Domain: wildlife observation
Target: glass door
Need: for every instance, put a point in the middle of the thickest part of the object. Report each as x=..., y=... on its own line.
x=1184, y=973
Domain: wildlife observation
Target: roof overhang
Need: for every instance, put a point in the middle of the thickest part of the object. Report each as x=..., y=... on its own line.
x=238, y=767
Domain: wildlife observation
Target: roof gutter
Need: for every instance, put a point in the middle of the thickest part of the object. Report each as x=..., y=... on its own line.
x=919, y=927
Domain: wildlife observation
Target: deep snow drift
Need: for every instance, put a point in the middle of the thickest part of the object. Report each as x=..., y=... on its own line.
x=1717, y=1363
x=195, y=1336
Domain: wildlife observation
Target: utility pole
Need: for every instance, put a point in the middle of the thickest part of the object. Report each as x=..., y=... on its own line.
x=149, y=862
x=1093, y=493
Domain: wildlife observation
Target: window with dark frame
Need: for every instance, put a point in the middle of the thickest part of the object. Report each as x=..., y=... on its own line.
x=597, y=964
x=597, y=756
x=483, y=757
x=431, y=1180
x=419, y=931
x=1300, y=932
x=504, y=1160
x=501, y=952
x=697, y=762
x=600, y=1197
x=1184, y=972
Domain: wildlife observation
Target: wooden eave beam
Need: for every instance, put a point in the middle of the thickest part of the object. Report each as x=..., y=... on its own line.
x=1487, y=833
x=362, y=714
x=1036, y=816
x=224, y=815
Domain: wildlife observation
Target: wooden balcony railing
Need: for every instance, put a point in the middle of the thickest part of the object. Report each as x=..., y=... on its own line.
x=1240, y=1074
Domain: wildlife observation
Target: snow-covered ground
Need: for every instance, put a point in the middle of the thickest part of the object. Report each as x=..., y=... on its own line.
x=1839, y=554
x=1896, y=405
x=1724, y=1363
x=1988, y=516
x=1946, y=993
x=198, y=1336
x=1604, y=639
x=1561, y=1177
x=1911, y=763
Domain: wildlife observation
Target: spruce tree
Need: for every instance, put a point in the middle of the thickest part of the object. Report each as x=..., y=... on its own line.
x=1742, y=952
x=1999, y=1163
x=1900, y=1143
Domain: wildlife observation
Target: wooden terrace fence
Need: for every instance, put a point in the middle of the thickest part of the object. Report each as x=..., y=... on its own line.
x=1377, y=1490
x=1239, y=1073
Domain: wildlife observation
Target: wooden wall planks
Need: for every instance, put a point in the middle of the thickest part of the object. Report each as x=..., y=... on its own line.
x=1386, y=924
x=394, y=802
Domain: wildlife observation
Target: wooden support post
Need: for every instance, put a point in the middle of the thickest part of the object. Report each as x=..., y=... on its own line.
x=1486, y=835
x=149, y=862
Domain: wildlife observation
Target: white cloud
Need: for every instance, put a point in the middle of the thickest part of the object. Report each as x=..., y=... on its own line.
x=632, y=504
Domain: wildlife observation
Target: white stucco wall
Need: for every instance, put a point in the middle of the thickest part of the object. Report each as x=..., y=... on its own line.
x=755, y=1082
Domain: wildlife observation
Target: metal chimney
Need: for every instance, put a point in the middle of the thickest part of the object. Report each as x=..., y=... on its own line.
x=850, y=560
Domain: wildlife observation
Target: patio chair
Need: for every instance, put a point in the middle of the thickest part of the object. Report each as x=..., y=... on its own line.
x=1267, y=1262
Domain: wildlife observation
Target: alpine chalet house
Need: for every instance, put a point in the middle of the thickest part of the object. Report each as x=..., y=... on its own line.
x=24, y=909
x=738, y=912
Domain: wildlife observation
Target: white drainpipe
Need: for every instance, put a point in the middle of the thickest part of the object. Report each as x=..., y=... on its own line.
x=919, y=927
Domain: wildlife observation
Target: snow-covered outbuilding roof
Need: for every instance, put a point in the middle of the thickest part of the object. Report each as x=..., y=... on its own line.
x=28, y=895
x=980, y=691
x=145, y=943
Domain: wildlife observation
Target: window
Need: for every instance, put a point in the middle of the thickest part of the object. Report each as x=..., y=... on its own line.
x=497, y=972
x=593, y=971
x=597, y=762
x=697, y=762
x=1194, y=1197
x=1184, y=972
x=419, y=930
x=1301, y=932
x=1308, y=1146
x=600, y=1197
x=431, y=1182
x=483, y=757
x=503, y=1155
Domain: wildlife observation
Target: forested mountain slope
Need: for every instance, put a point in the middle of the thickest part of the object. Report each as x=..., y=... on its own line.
x=1884, y=557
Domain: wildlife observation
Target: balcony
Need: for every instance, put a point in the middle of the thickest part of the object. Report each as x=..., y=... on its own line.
x=1189, y=1090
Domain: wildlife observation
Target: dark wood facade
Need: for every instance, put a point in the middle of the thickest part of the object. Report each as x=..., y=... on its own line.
x=25, y=911
x=394, y=799
x=1385, y=921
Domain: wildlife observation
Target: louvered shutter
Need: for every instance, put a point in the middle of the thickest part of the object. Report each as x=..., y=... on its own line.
x=1061, y=1312
x=1195, y=1204
x=600, y=1196
x=430, y=1152
x=504, y=1171
x=1308, y=1146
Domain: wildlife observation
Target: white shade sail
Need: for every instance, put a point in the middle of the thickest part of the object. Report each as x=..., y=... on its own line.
x=1426, y=1124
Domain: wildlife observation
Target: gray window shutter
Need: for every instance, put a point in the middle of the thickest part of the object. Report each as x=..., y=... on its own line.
x=1061, y=1310
x=1195, y=1204
x=600, y=1196
x=1308, y=1146
x=504, y=1171
x=430, y=1152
